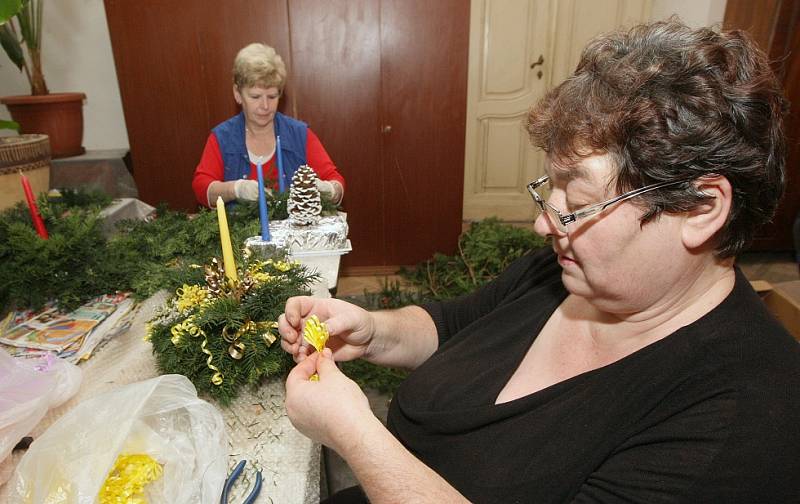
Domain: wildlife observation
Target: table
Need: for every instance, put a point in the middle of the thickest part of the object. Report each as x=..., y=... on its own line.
x=257, y=425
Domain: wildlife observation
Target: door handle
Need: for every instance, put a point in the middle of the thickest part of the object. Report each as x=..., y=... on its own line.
x=387, y=129
x=540, y=61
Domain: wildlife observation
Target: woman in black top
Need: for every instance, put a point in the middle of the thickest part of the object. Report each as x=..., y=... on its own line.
x=630, y=363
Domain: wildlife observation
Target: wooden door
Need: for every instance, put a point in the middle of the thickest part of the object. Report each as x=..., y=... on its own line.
x=424, y=56
x=519, y=49
x=336, y=79
x=510, y=70
x=775, y=25
x=384, y=86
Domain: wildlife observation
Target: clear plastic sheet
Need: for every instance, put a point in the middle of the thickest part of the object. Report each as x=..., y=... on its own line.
x=161, y=417
x=28, y=388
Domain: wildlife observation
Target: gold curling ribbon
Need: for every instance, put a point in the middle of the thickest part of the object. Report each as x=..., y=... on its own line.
x=127, y=479
x=236, y=350
x=266, y=334
x=189, y=327
x=177, y=334
x=217, y=378
x=236, y=347
x=227, y=336
x=316, y=333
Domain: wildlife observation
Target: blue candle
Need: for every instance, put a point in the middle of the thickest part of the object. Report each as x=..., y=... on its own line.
x=281, y=178
x=262, y=205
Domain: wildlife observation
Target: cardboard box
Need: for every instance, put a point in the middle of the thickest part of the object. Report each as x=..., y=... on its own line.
x=783, y=300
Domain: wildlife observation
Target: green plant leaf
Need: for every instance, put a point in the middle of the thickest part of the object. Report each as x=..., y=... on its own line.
x=29, y=23
x=9, y=125
x=11, y=45
x=8, y=9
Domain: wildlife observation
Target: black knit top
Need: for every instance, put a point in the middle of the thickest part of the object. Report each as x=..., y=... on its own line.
x=710, y=413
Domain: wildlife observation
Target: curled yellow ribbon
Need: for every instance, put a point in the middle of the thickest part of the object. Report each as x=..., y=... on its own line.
x=266, y=331
x=189, y=327
x=181, y=329
x=127, y=479
x=217, y=377
x=316, y=333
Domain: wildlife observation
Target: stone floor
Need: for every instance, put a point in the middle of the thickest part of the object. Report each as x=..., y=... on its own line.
x=774, y=267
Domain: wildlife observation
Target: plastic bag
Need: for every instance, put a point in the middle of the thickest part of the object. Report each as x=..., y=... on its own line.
x=28, y=388
x=161, y=417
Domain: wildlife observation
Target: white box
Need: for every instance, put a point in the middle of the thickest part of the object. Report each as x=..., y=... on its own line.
x=323, y=262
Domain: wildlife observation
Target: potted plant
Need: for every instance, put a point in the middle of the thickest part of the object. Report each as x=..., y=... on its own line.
x=58, y=115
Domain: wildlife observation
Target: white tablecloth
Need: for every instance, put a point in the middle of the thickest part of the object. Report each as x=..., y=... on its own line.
x=257, y=425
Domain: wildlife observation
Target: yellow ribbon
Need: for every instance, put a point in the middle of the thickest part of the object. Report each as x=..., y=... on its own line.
x=190, y=296
x=282, y=266
x=316, y=333
x=236, y=347
x=127, y=479
x=265, y=329
x=189, y=327
x=217, y=377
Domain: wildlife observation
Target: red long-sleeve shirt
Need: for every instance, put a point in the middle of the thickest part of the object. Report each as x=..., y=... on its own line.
x=211, y=168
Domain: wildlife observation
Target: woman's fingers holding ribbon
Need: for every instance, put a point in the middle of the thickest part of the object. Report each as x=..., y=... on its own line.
x=328, y=410
x=349, y=327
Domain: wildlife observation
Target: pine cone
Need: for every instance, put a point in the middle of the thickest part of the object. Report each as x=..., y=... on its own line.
x=304, y=203
x=215, y=278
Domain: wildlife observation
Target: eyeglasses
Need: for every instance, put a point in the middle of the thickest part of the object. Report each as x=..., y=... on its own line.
x=562, y=221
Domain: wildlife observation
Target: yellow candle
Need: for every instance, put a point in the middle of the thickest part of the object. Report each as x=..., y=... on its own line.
x=225, y=238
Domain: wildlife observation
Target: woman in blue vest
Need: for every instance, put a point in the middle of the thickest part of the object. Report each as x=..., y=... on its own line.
x=227, y=168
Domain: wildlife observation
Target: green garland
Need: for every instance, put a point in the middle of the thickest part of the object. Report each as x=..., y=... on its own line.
x=484, y=251
x=78, y=262
x=69, y=267
x=223, y=335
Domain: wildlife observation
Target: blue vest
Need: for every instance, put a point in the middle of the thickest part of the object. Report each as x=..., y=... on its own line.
x=231, y=139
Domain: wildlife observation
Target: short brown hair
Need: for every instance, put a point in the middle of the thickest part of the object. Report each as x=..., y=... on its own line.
x=671, y=103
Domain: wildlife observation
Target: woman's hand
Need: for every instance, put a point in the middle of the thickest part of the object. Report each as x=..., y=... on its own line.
x=350, y=327
x=333, y=410
x=245, y=190
x=332, y=189
x=232, y=190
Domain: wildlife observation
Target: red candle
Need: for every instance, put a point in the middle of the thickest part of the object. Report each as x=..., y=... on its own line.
x=37, y=219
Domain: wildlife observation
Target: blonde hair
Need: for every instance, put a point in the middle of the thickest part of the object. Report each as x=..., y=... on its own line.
x=259, y=65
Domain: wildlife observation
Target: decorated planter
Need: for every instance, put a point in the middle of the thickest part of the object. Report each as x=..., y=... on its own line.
x=29, y=154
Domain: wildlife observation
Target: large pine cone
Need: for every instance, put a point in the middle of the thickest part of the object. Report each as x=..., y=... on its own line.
x=304, y=203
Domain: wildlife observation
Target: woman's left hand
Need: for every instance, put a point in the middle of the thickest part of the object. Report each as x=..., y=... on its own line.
x=331, y=410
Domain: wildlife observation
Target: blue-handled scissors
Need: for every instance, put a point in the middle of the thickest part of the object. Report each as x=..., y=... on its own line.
x=237, y=471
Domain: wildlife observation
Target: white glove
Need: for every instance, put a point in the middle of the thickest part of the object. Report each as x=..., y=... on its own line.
x=246, y=190
x=330, y=189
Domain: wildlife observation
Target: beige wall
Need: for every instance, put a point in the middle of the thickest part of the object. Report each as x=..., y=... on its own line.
x=77, y=57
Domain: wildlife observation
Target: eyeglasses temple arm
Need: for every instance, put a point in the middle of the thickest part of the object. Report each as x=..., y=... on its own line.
x=622, y=197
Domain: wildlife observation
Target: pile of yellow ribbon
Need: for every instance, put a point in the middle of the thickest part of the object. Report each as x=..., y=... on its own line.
x=126, y=480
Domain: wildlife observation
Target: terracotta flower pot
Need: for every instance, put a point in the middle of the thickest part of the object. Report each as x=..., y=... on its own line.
x=57, y=115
